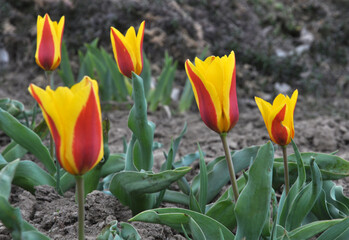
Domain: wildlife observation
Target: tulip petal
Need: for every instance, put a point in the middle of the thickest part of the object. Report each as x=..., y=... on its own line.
x=46, y=46
x=139, y=53
x=203, y=97
x=122, y=53
x=230, y=104
x=87, y=143
x=74, y=118
x=265, y=109
x=279, y=132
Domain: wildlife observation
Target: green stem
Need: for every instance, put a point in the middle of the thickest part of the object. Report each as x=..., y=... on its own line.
x=230, y=166
x=81, y=208
x=286, y=175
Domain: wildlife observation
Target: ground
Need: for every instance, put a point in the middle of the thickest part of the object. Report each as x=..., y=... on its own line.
x=279, y=46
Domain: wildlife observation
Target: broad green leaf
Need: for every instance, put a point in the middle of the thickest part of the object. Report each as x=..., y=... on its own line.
x=140, y=126
x=223, y=210
x=26, y=138
x=218, y=174
x=28, y=175
x=11, y=218
x=187, y=160
x=331, y=167
x=115, y=163
x=176, y=217
x=196, y=231
x=6, y=176
x=14, y=151
x=254, y=200
x=133, y=188
x=176, y=197
x=311, y=229
x=305, y=199
x=336, y=231
x=320, y=208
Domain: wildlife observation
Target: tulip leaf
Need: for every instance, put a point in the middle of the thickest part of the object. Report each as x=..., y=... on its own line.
x=193, y=222
x=254, y=200
x=112, y=231
x=115, y=163
x=29, y=175
x=203, y=182
x=141, y=127
x=131, y=187
x=26, y=138
x=223, y=210
x=332, y=167
x=305, y=199
x=176, y=197
x=146, y=75
x=6, y=176
x=338, y=231
x=310, y=230
x=14, y=151
x=217, y=171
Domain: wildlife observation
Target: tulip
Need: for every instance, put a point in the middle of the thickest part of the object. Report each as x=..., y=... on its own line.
x=74, y=119
x=278, y=118
x=49, y=41
x=128, y=50
x=214, y=86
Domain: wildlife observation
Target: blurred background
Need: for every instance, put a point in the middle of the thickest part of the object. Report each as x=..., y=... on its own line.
x=280, y=45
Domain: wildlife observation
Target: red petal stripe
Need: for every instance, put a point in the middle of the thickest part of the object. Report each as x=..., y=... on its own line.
x=124, y=59
x=206, y=106
x=87, y=141
x=233, y=103
x=279, y=131
x=47, y=47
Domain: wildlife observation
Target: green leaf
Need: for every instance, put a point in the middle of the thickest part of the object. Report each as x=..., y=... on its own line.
x=331, y=167
x=28, y=175
x=310, y=230
x=176, y=217
x=223, y=210
x=112, y=232
x=6, y=176
x=176, y=197
x=218, y=174
x=26, y=138
x=115, y=163
x=131, y=187
x=141, y=127
x=336, y=231
x=305, y=199
x=65, y=71
x=203, y=182
x=14, y=151
x=254, y=200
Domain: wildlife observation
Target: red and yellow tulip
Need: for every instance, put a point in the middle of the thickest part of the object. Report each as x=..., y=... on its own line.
x=128, y=50
x=278, y=118
x=214, y=86
x=49, y=41
x=74, y=119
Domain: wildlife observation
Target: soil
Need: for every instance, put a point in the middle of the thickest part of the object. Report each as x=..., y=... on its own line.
x=279, y=47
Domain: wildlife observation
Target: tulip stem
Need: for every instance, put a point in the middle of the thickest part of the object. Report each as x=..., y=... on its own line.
x=287, y=184
x=230, y=166
x=81, y=208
